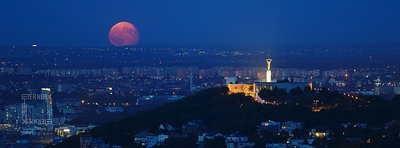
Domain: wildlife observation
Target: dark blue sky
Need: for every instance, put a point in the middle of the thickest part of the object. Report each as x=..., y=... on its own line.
x=201, y=22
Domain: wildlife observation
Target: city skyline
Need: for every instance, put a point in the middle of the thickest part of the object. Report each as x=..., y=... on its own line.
x=200, y=74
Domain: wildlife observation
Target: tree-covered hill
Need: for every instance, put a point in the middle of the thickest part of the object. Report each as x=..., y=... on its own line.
x=230, y=113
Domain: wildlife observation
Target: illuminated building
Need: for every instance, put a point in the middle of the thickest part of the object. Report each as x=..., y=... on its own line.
x=275, y=127
x=68, y=131
x=319, y=133
x=248, y=89
x=268, y=77
x=252, y=88
x=49, y=105
x=386, y=90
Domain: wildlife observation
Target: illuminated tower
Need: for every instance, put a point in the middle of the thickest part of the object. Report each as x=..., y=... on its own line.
x=268, y=74
x=49, y=106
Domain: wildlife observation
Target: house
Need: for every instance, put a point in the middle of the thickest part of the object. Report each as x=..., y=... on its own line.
x=274, y=127
x=269, y=126
x=166, y=127
x=290, y=126
x=319, y=133
x=155, y=140
x=236, y=137
x=70, y=130
x=144, y=138
x=208, y=136
x=237, y=140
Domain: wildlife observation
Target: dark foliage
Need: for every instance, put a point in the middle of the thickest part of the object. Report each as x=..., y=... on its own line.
x=230, y=113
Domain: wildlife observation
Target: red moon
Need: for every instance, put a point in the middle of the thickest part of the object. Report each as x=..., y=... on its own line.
x=123, y=34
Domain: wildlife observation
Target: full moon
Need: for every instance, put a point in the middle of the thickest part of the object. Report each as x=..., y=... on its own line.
x=123, y=34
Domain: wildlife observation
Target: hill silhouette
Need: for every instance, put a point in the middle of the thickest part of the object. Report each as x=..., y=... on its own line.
x=238, y=113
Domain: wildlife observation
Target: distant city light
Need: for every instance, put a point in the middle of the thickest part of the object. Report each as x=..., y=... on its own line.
x=46, y=89
x=109, y=88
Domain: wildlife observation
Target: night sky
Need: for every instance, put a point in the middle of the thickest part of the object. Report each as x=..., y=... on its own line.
x=201, y=22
